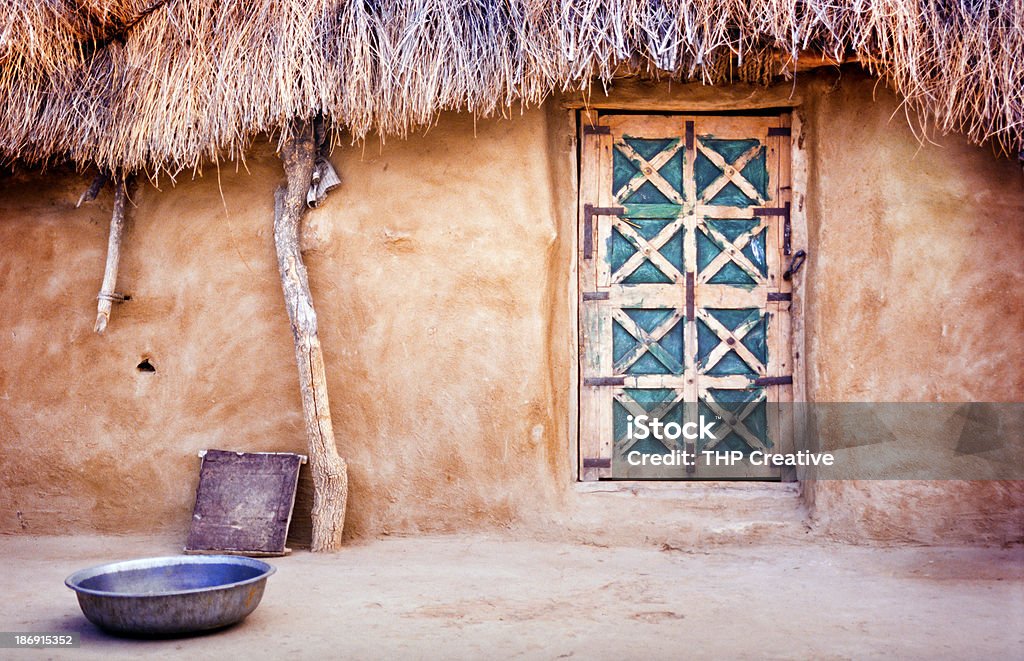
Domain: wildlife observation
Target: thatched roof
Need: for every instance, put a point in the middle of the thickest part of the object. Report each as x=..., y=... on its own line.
x=166, y=84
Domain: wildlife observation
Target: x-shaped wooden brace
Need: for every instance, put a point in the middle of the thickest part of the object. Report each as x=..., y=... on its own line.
x=732, y=251
x=647, y=341
x=647, y=249
x=729, y=421
x=648, y=171
x=636, y=410
x=731, y=340
x=730, y=173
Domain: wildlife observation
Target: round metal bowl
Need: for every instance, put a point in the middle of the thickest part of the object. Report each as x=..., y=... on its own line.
x=170, y=596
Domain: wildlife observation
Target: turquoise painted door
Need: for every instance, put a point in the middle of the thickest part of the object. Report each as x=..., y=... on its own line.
x=684, y=313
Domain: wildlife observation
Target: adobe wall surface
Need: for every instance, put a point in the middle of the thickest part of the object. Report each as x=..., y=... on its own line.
x=432, y=274
x=915, y=293
x=441, y=271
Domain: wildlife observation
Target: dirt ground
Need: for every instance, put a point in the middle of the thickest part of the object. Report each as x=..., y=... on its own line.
x=474, y=596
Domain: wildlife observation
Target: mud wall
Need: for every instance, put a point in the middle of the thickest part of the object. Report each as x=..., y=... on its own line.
x=437, y=286
x=442, y=274
x=915, y=293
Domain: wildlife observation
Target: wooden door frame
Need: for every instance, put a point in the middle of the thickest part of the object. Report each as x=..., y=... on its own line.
x=639, y=97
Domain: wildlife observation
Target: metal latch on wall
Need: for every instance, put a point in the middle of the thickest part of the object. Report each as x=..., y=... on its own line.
x=795, y=264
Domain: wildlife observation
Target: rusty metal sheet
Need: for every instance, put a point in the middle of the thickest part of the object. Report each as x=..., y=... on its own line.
x=244, y=502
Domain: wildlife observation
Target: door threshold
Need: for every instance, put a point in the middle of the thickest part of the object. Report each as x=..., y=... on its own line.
x=701, y=488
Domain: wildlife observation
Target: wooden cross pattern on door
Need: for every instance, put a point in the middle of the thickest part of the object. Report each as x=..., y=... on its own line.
x=661, y=409
x=731, y=251
x=733, y=420
x=736, y=171
x=656, y=342
x=661, y=153
x=736, y=335
x=647, y=251
x=682, y=308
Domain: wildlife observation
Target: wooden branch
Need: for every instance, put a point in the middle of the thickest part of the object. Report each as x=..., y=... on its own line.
x=329, y=470
x=94, y=189
x=107, y=295
x=808, y=60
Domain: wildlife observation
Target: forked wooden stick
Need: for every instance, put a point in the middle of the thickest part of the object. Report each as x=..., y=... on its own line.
x=107, y=296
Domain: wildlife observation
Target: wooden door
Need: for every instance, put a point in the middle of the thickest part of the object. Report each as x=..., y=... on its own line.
x=684, y=238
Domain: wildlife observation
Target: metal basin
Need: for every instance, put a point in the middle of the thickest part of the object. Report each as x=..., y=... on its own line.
x=172, y=595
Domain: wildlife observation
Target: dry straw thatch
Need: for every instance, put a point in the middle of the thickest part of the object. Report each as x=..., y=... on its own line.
x=162, y=85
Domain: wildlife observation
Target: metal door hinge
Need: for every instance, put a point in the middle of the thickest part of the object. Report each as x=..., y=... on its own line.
x=773, y=381
x=787, y=231
x=589, y=211
x=604, y=381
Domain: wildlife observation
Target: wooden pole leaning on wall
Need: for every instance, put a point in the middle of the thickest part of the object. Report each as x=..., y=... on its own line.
x=108, y=296
x=330, y=472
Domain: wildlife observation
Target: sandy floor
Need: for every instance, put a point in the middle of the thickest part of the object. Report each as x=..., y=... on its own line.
x=473, y=597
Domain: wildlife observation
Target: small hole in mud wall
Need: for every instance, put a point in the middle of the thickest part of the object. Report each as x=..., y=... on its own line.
x=146, y=367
